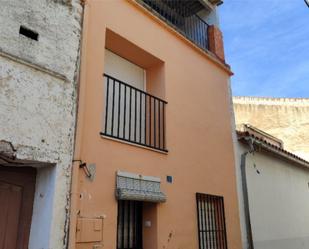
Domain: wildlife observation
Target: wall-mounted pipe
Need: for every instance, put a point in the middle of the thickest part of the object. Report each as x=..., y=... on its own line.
x=245, y=193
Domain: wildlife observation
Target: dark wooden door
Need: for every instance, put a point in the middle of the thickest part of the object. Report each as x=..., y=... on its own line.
x=16, y=201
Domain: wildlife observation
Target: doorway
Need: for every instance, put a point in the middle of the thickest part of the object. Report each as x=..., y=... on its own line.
x=17, y=187
x=130, y=225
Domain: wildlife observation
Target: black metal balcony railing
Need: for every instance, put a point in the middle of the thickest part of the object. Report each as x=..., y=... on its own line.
x=182, y=16
x=133, y=115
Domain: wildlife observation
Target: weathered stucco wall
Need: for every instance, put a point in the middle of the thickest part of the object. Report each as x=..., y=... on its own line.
x=286, y=119
x=38, y=83
x=278, y=201
x=58, y=26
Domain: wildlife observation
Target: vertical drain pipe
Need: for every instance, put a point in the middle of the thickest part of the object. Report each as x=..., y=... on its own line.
x=245, y=193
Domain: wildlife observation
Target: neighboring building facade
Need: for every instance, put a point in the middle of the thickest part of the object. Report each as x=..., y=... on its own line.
x=284, y=118
x=154, y=160
x=273, y=188
x=39, y=57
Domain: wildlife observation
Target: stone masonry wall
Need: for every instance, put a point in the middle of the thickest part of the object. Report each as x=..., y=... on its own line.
x=286, y=119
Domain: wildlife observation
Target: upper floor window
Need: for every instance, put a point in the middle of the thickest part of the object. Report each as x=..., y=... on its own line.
x=131, y=113
x=211, y=222
x=124, y=70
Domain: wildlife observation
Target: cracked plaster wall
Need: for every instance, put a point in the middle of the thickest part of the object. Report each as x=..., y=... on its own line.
x=38, y=90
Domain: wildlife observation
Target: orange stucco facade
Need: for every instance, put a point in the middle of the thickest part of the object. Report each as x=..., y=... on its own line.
x=200, y=155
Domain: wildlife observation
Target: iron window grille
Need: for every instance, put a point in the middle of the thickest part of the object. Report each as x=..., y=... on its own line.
x=133, y=115
x=181, y=15
x=129, y=225
x=211, y=222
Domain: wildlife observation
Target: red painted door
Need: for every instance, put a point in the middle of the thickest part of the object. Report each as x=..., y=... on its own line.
x=16, y=202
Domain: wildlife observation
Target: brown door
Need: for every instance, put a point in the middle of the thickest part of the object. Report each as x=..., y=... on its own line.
x=16, y=202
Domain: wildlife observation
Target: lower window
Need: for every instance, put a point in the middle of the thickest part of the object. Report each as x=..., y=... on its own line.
x=211, y=222
x=129, y=225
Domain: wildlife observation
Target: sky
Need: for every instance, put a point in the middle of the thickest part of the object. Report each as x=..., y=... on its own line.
x=267, y=45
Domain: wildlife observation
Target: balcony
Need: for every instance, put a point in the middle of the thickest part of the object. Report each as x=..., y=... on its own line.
x=133, y=116
x=182, y=16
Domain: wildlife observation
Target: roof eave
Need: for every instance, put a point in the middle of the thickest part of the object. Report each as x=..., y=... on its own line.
x=273, y=149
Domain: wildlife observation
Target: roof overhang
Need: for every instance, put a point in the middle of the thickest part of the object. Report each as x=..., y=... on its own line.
x=210, y=4
x=260, y=144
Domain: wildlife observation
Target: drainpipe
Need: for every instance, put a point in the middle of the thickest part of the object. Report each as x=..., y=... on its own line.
x=245, y=193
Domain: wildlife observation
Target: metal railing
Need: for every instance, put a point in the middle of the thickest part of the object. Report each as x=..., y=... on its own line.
x=133, y=115
x=183, y=20
x=130, y=225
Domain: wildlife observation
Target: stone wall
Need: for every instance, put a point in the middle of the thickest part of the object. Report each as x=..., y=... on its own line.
x=284, y=118
x=38, y=93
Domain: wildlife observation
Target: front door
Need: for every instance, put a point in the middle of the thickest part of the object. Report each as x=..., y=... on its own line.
x=16, y=202
x=129, y=228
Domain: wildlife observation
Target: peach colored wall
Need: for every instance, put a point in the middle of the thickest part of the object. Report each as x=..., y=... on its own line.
x=198, y=130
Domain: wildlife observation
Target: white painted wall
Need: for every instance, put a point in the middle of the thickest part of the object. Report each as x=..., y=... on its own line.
x=42, y=208
x=38, y=103
x=279, y=202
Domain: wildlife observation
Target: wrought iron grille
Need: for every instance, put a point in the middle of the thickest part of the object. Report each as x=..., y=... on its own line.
x=181, y=15
x=211, y=222
x=129, y=225
x=133, y=115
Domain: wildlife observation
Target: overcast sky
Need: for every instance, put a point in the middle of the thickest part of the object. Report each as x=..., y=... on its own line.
x=267, y=46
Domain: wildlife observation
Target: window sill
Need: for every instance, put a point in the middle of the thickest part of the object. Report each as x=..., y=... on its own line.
x=105, y=136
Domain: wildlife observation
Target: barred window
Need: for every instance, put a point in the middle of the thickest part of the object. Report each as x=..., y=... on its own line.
x=129, y=225
x=211, y=222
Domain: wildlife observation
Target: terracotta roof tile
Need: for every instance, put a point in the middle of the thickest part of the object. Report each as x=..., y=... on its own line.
x=245, y=134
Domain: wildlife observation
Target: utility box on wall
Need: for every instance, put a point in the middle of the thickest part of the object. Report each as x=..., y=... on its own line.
x=89, y=230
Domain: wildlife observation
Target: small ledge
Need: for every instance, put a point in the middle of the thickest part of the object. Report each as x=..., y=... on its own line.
x=35, y=66
x=165, y=152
